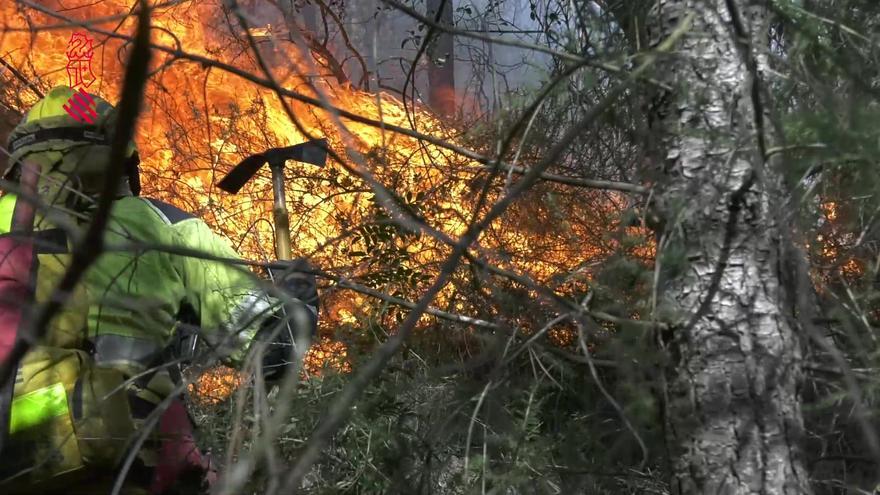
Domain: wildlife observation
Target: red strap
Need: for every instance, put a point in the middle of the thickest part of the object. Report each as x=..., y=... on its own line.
x=179, y=453
x=16, y=287
x=16, y=264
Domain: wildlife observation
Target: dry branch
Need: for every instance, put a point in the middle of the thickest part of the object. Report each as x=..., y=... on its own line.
x=90, y=246
x=340, y=410
x=316, y=102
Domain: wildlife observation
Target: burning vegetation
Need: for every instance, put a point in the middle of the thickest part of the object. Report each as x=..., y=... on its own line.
x=682, y=270
x=204, y=113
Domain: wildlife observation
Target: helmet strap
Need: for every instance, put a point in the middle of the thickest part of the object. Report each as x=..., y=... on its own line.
x=78, y=134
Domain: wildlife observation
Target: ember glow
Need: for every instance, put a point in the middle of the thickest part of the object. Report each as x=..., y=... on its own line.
x=199, y=121
x=836, y=244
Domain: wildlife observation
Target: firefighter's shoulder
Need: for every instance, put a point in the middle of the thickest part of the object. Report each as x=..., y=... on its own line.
x=169, y=213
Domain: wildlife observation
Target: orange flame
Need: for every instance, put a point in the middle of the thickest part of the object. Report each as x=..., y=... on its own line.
x=198, y=122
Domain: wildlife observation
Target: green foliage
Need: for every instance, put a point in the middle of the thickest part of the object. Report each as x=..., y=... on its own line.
x=381, y=245
x=830, y=124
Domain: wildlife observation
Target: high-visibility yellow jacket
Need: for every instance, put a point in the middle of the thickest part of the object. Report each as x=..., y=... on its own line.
x=74, y=391
x=135, y=297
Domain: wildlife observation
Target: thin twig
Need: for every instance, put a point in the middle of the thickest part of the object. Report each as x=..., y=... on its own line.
x=15, y=72
x=316, y=102
x=339, y=411
x=589, y=358
x=569, y=57
x=90, y=247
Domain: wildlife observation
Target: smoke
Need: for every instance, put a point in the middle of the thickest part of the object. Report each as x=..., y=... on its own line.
x=486, y=74
x=370, y=35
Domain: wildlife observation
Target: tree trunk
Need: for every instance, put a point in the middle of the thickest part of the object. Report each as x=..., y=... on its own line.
x=308, y=14
x=732, y=410
x=441, y=62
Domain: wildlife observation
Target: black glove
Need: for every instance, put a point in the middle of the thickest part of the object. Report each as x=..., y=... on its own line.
x=297, y=279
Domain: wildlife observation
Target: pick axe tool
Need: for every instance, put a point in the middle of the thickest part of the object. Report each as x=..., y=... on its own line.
x=313, y=152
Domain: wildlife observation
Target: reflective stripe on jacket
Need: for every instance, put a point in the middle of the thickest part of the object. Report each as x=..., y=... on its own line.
x=72, y=408
x=135, y=296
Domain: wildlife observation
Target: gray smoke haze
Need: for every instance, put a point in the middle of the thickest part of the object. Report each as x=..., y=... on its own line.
x=486, y=74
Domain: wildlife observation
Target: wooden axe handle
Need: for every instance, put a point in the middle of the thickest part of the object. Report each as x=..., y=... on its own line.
x=279, y=212
x=282, y=233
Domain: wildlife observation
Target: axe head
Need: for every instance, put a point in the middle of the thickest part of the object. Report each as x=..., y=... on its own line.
x=313, y=152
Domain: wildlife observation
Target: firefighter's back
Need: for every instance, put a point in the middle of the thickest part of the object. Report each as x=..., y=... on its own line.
x=72, y=417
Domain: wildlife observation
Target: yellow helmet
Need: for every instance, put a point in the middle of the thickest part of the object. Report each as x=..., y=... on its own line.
x=70, y=133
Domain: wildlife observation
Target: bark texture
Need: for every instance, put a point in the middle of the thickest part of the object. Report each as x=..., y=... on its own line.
x=733, y=417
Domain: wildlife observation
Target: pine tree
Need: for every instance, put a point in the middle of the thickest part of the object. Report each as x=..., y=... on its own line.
x=732, y=411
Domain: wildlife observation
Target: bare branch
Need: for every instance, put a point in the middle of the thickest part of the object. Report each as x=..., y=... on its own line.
x=340, y=410
x=267, y=83
x=89, y=248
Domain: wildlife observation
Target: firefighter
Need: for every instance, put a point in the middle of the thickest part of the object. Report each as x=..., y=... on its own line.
x=83, y=393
